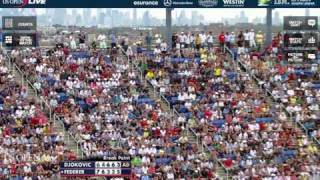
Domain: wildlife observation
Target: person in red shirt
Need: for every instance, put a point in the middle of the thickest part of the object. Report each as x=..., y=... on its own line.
x=275, y=45
x=228, y=163
x=222, y=39
x=73, y=67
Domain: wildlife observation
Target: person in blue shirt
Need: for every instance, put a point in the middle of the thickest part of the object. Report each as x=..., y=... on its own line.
x=113, y=41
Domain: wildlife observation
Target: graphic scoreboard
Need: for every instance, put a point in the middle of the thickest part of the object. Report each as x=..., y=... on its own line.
x=19, y=31
x=114, y=166
x=301, y=38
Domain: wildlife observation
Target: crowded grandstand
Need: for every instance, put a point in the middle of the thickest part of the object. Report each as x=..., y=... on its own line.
x=214, y=105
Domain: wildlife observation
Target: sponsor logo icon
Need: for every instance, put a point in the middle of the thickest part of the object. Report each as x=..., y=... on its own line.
x=208, y=3
x=281, y=2
x=167, y=3
x=264, y=3
x=233, y=3
x=145, y=3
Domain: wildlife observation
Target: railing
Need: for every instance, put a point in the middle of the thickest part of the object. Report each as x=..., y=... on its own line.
x=175, y=112
x=269, y=93
x=45, y=105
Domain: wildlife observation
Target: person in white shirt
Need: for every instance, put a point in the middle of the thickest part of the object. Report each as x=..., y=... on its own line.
x=164, y=47
x=187, y=40
x=203, y=38
x=157, y=51
x=232, y=38
x=252, y=37
x=246, y=40
x=228, y=37
x=192, y=39
x=210, y=40
x=182, y=40
x=158, y=42
x=73, y=44
x=102, y=42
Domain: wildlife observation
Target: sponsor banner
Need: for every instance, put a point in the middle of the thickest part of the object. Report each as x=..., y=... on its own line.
x=19, y=39
x=300, y=23
x=21, y=23
x=159, y=4
x=287, y=3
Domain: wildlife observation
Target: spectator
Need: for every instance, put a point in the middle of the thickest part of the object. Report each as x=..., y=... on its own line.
x=210, y=40
x=164, y=47
x=82, y=41
x=240, y=42
x=192, y=41
x=187, y=40
x=198, y=42
x=222, y=39
x=113, y=41
x=252, y=38
x=229, y=39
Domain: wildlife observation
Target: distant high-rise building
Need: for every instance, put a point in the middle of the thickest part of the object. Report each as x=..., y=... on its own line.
x=134, y=17
x=49, y=14
x=101, y=16
x=276, y=19
x=307, y=12
x=116, y=18
x=94, y=21
x=182, y=20
x=146, y=18
x=78, y=20
x=243, y=18
x=257, y=20
x=87, y=14
x=194, y=18
x=58, y=13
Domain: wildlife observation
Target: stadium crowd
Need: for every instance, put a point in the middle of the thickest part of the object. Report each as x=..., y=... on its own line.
x=29, y=146
x=107, y=107
x=295, y=84
x=245, y=130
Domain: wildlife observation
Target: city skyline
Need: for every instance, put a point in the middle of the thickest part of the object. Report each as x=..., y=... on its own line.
x=112, y=17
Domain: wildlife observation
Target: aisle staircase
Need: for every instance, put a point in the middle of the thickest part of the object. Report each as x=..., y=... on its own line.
x=192, y=137
x=69, y=141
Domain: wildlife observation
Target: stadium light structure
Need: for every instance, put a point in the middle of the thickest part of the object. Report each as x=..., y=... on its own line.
x=169, y=27
x=268, y=27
